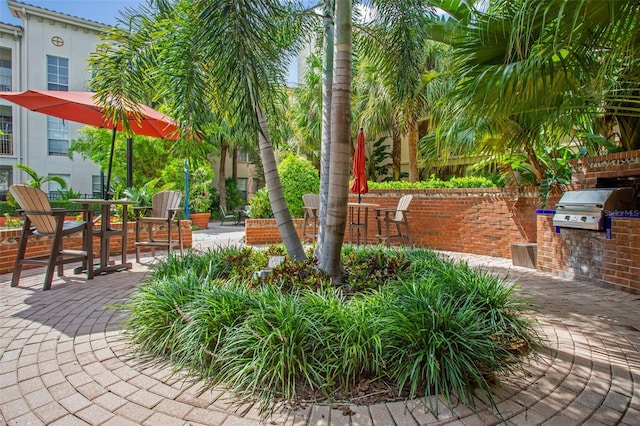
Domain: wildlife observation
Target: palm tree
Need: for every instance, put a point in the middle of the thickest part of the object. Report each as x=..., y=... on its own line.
x=340, y=147
x=196, y=54
x=551, y=57
x=397, y=44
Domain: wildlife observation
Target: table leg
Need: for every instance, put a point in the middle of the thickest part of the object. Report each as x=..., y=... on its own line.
x=366, y=223
x=105, y=225
x=125, y=221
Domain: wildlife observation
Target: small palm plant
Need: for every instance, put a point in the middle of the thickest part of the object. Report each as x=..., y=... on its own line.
x=37, y=181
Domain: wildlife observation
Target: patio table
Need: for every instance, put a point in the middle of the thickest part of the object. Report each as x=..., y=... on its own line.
x=106, y=232
x=359, y=220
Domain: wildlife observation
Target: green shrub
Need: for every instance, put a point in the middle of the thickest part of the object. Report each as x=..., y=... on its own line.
x=6, y=208
x=234, y=198
x=438, y=328
x=435, y=182
x=260, y=206
x=298, y=177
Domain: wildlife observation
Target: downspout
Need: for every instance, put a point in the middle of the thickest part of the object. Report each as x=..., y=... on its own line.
x=18, y=139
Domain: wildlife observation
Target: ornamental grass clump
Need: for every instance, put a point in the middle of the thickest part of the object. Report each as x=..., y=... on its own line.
x=407, y=324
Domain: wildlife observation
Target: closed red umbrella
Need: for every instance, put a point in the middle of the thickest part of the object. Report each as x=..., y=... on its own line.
x=359, y=185
x=81, y=107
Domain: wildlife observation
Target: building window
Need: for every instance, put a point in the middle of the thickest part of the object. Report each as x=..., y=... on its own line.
x=96, y=186
x=54, y=187
x=243, y=157
x=5, y=69
x=6, y=180
x=58, y=136
x=6, y=130
x=57, y=73
x=241, y=183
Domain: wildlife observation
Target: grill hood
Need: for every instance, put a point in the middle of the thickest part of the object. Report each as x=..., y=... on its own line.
x=586, y=209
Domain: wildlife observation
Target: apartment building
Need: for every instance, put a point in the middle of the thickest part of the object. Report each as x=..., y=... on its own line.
x=48, y=51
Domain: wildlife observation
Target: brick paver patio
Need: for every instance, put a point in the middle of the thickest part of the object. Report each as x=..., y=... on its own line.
x=64, y=361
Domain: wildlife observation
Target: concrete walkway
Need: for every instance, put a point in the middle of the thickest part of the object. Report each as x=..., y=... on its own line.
x=64, y=361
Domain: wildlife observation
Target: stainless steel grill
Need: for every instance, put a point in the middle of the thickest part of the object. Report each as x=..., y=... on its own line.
x=586, y=209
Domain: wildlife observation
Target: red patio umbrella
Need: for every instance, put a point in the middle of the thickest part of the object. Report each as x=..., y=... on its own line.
x=359, y=185
x=82, y=107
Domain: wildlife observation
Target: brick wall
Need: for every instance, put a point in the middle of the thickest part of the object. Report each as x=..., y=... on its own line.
x=481, y=221
x=586, y=171
x=9, y=240
x=589, y=255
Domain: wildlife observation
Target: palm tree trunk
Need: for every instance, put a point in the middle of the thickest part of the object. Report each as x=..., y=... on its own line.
x=276, y=197
x=532, y=158
x=325, y=150
x=331, y=261
x=412, y=136
x=397, y=155
x=222, y=177
x=234, y=163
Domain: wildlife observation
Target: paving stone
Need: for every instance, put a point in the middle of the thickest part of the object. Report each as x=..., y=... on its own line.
x=145, y=398
x=481, y=418
x=91, y=390
x=134, y=412
x=617, y=402
x=14, y=409
x=164, y=420
x=39, y=398
x=401, y=414
x=9, y=393
x=122, y=389
x=95, y=414
x=607, y=415
x=209, y=417
x=69, y=420
x=28, y=419
x=361, y=416
x=31, y=385
x=120, y=421
x=110, y=401
x=380, y=415
x=74, y=403
x=61, y=390
x=28, y=372
x=239, y=421
x=106, y=379
x=175, y=408
x=526, y=418
x=165, y=391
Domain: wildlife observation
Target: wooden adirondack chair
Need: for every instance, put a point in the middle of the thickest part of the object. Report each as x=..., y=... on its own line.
x=393, y=224
x=225, y=215
x=42, y=220
x=311, y=210
x=163, y=215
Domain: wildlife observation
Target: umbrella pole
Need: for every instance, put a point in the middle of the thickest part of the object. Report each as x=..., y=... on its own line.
x=113, y=145
x=129, y=162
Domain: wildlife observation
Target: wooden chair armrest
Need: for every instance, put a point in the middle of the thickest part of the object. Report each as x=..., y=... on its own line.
x=174, y=212
x=384, y=214
x=54, y=212
x=139, y=211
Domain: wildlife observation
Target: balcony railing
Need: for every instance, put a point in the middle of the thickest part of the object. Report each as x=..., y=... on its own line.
x=6, y=144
